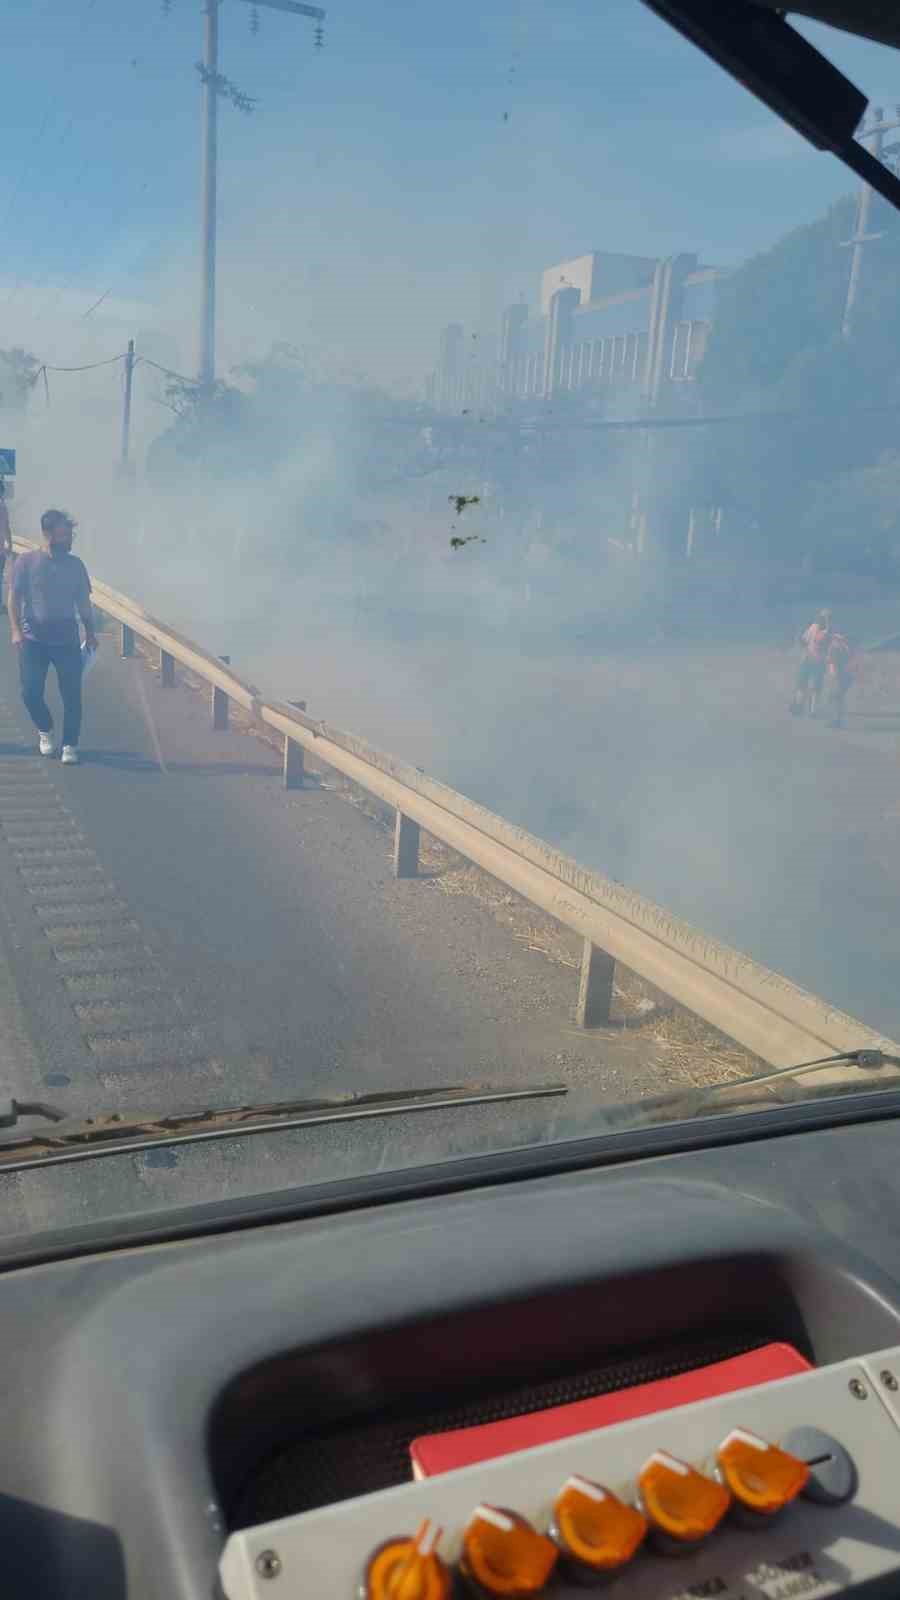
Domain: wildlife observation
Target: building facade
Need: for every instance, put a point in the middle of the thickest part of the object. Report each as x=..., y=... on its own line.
x=631, y=326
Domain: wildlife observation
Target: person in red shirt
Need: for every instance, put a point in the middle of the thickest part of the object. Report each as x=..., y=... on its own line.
x=811, y=675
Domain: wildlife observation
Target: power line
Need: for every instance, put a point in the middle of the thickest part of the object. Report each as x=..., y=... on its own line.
x=92, y=366
x=167, y=371
x=98, y=302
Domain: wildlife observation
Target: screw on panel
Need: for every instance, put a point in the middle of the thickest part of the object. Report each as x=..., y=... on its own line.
x=890, y=1381
x=268, y=1564
x=858, y=1389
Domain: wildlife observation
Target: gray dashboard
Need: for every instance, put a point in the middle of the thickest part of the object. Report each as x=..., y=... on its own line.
x=142, y=1384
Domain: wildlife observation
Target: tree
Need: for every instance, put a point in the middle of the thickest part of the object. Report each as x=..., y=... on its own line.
x=851, y=520
x=209, y=436
x=18, y=374
x=819, y=441
x=775, y=310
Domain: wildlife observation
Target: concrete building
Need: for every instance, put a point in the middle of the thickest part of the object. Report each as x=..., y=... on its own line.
x=632, y=326
x=596, y=276
x=450, y=369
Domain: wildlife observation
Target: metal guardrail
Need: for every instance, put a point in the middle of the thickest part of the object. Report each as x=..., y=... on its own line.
x=760, y=1009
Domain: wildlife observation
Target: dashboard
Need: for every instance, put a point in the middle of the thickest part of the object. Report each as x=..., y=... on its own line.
x=232, y=1415
x=722, y=1510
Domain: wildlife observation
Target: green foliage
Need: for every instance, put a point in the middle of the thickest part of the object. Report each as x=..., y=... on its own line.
x=210, y=432
x=852, y=519
x=18, y=375
x=814, y=474
x=776, y=309
x=275, y=414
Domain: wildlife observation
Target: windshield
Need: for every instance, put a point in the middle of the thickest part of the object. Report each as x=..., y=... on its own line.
x=452, y=556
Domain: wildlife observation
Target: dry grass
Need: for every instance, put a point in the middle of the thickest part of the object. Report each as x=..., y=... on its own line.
x=695, y=1051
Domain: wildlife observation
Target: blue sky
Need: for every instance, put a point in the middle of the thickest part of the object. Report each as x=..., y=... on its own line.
x=425, y=166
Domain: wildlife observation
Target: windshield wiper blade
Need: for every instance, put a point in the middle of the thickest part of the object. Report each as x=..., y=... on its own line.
x=119, y=1133
x=694, y=1098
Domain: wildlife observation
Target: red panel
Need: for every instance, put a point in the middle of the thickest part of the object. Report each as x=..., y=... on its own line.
x=443, y=1452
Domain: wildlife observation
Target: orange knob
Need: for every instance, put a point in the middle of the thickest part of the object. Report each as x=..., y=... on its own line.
x=408, y=1569
x=595, y=1529
x=761, y=1477
x=680, y=1502
x=504, y=1555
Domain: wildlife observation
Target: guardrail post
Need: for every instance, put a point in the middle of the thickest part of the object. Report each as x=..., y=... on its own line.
x=220, y=704
x=294, y=770
x=166, y=669
x=595, y=990
x=219, y=710
x=406, y=847
x=127, y=640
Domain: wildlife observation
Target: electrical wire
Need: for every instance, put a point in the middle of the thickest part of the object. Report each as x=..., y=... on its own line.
x=166, y=371
x=98, y=302
x=91, y=367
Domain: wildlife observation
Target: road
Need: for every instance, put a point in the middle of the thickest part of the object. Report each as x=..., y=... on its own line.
x=176, y=930
x=672, y=767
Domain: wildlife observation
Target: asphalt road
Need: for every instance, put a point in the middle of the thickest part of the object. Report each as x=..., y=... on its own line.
x=176, y=930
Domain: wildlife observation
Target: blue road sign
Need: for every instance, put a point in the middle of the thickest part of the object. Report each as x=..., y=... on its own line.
x=7, y=463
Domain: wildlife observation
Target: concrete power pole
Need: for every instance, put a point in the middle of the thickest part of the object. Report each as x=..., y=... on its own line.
x=124, y=462
x=209, y=149
x=215, y=85
x=875, y=132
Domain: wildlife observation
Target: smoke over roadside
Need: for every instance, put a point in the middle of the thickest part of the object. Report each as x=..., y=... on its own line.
x=547, y=671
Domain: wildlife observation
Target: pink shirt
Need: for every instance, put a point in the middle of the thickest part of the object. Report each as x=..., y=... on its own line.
x=814, y=640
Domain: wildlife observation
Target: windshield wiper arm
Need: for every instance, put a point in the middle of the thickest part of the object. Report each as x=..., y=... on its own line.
x=690, y=1100
x=11, y=1110
x=866, y=1059
x=118, y=1133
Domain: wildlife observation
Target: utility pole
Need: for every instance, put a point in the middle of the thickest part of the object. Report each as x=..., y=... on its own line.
x=875, y=131
x=215, y=85
x=208, y=161
x=124, y=463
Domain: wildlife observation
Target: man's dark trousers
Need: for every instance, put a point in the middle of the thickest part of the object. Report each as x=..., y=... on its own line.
x=35, y=660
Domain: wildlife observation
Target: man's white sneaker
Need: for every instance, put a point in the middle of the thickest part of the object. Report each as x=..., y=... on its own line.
x=69, y=755
x=47, y=744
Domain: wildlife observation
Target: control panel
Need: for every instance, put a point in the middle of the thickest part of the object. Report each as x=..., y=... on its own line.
x=786, y=1491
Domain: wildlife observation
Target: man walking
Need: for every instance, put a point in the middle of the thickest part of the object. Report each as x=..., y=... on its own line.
x=49, y=590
